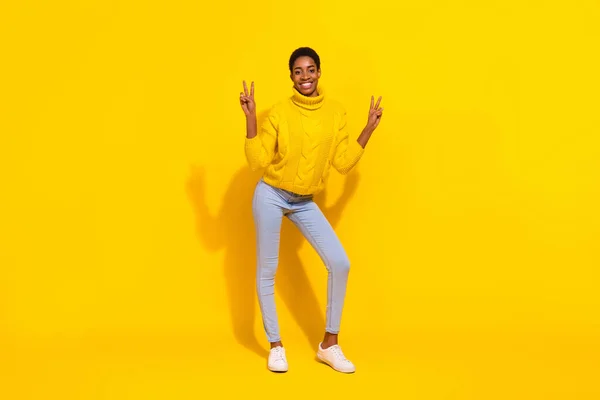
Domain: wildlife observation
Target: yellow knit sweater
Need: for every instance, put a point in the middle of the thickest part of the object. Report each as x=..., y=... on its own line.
x=299, y=141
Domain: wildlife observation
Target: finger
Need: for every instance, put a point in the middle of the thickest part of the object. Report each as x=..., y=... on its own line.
x=252, y=90
x=372, y=99
x=245, y=89
x=378, y=101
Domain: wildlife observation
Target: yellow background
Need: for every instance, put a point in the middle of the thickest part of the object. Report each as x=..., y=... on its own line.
x=472, y=222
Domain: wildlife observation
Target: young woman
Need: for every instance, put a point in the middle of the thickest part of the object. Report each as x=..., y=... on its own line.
x=302, y=137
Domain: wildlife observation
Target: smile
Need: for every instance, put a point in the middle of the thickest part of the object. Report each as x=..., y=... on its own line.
x=306, y=85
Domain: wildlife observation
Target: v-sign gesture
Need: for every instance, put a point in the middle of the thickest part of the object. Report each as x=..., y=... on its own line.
x=247, y=100
x=375, y=114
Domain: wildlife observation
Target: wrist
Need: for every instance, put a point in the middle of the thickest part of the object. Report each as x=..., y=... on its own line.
x=251, y=126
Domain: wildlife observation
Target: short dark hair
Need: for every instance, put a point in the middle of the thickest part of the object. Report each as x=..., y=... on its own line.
x=302, y=52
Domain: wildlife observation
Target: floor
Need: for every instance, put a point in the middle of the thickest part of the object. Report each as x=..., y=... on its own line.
x=419, y=365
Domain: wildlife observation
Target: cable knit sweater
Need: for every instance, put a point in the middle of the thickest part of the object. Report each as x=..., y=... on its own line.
x=300, y=140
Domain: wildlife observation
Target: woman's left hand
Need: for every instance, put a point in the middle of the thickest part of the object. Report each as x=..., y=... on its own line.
x=375, y=114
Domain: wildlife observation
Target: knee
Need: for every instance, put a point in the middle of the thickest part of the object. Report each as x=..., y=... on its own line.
x=340, y=264
x=265, y=281
x=267, y=271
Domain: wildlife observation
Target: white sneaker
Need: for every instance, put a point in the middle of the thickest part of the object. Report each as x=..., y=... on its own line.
x=277, y=361
x=334, y=357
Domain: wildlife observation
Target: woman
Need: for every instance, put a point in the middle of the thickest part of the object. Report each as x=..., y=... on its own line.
x=302, y=137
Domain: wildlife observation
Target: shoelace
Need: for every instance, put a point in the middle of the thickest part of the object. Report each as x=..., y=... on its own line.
x=278, y=353
x=338, y=353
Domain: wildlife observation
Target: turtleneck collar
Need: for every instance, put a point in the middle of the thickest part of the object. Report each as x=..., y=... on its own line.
x=309, y=103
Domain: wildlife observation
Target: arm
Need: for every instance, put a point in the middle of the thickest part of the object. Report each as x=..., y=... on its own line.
x=260, y=146
x=348, y=152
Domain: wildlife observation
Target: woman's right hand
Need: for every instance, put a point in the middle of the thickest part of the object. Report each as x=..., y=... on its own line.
x=247, y=101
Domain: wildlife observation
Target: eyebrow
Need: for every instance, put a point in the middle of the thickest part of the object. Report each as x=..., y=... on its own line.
x=310, y=66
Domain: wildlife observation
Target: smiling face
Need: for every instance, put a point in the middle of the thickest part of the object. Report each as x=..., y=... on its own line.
x=305, y=76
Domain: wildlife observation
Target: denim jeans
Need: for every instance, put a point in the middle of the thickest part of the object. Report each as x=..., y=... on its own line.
x=269, y=206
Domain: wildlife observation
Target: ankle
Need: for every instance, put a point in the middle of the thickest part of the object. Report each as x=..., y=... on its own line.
x=275, y=344
x=330, y=339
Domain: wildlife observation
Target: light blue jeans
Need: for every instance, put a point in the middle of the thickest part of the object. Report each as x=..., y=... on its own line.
x=269, y=206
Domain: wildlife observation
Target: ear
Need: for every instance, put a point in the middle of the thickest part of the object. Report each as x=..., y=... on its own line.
x=319, y=73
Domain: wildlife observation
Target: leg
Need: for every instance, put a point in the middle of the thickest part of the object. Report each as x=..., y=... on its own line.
x=318, y=231
x=268, y=215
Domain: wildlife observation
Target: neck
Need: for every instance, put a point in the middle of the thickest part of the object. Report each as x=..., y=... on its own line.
x=311, y=102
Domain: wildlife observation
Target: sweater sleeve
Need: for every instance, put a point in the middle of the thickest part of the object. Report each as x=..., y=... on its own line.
x=347, y=151
x=260, y=149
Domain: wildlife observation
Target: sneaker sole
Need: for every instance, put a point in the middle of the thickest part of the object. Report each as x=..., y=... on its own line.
x=324, y=360
x=273, y=369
